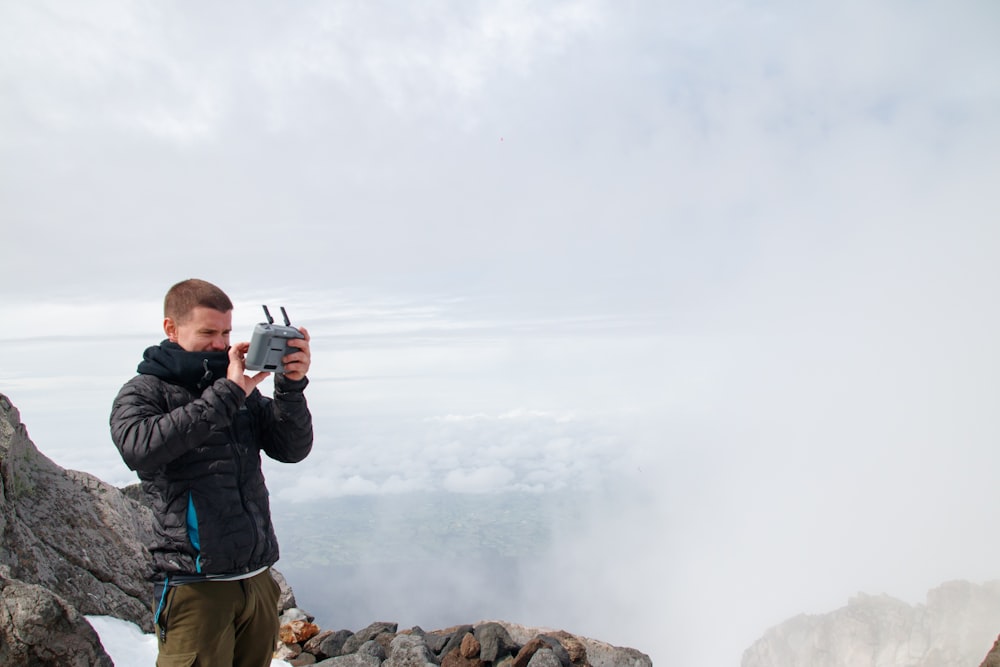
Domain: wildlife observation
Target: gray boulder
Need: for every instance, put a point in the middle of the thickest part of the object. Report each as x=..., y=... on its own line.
x=454, y=641
x=544, y=657
x=558, y=650
x=331, y=645
x=286, y=599
x=40, y=629
x=495, y=642
x=373, y=648
x=409, y=651
x=367, y=634
x=351, y=660
x=436, y=640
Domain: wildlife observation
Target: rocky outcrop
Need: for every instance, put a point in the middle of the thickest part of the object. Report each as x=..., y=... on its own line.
x=953, y=629
x=40, y=629
x=69, y=532
x=483, y=644
x=993, y=657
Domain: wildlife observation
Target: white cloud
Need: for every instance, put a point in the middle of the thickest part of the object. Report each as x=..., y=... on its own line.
x=357, y=485
x=486, y=479
x=306, y=486
x=395, y=484
x=96, y=317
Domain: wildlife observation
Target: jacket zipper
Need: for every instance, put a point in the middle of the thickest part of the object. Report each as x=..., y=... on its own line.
x=239, y=487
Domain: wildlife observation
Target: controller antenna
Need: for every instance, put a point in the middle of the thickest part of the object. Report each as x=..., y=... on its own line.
x=285, y=315
x=267, y=313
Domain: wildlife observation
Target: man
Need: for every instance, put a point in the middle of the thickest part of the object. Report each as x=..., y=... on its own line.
x=192, y=424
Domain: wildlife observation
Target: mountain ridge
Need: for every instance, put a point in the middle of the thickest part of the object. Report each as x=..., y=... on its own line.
x=952, y=628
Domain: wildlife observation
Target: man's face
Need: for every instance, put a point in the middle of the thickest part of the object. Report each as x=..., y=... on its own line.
x=203, y=330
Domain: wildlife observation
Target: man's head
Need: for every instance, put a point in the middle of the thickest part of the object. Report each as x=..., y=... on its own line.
x=198, y=316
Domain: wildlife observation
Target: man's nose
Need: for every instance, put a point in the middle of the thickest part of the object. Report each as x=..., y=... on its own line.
x=219, y=343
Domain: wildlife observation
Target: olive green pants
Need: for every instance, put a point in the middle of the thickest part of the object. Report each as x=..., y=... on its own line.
x=219, y=623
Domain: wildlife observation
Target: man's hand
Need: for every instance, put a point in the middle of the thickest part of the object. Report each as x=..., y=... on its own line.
x=238, y=368
x=297, y=363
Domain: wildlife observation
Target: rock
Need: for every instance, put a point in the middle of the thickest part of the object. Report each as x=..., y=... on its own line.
x=292, y=614
x=297, y=632
x=286, y=599
x=575, y=649
x=135, y=492
x=40, y=629
x=454, y=638
x=470, y=647
x=373, y=648
x=369, y=654
x=312, y=644
x=454, y=658
x=367, y=634
x=329, y=646
x=993, y=657
x=70, y=532
x=599, y=654
x=602, y=654
x=417, y=631
x=495, y=642
x=957, y=622
x=436, y=640
x=544, y=657
x=351, y=660
x=409, y=651
x=527, y=651
x=558, y=650
x=287, y=651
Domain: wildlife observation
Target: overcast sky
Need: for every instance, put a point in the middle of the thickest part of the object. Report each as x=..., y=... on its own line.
x=739, y=258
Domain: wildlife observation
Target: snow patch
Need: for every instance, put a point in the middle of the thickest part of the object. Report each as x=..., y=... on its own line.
x=128, y=645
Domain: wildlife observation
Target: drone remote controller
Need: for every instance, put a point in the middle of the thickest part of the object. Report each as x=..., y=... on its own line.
x=269, y=344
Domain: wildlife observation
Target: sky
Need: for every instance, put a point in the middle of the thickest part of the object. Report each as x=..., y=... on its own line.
x=730, y=268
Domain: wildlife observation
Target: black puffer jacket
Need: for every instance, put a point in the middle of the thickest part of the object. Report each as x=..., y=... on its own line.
x=197, y=454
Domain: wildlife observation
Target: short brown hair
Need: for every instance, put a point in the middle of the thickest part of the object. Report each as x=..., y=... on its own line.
x=188, y=294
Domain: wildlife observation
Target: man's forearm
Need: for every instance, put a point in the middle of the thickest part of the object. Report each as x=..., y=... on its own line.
x=289, y=431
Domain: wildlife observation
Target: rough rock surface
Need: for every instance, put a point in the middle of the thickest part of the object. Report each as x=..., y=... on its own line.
x=484, y=644
x=70, y=532
x=40, y=629
x=598, y=653
x=993, y=657
x=954, y=628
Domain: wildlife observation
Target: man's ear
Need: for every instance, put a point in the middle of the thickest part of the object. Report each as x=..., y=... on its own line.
x=170, y=328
